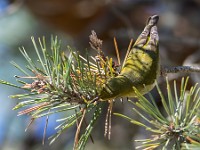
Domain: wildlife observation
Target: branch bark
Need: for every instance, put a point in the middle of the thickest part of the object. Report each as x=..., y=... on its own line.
x=178, y=69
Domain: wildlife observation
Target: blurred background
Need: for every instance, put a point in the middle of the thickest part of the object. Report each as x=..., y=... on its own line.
x=72, y=22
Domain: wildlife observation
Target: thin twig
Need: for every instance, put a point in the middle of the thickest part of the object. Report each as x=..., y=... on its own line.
x=76, y=139
x=29, y=124
x=117, y=51
x=108, y=120
x=128, y=50
x=45, y=128
x=179, y=69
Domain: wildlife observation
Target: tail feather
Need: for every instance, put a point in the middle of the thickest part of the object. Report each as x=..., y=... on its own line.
x=150, y=29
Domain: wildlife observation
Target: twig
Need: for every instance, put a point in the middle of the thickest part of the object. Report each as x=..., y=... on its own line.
x=117, y=51
x=29, y=124
x=45, y=128
x=108, y=120
x=128, y=50
x=179, y=69
x=78, y=129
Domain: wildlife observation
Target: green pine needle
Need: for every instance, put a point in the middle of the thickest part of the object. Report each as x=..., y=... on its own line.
x=57, y=83
x=180, y=128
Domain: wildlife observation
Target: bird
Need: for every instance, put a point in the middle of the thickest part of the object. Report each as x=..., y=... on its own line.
x=141, y=66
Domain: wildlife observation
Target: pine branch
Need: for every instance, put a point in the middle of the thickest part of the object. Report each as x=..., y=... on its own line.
x=176, y=130
x=58, y=83
x=179, y=69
